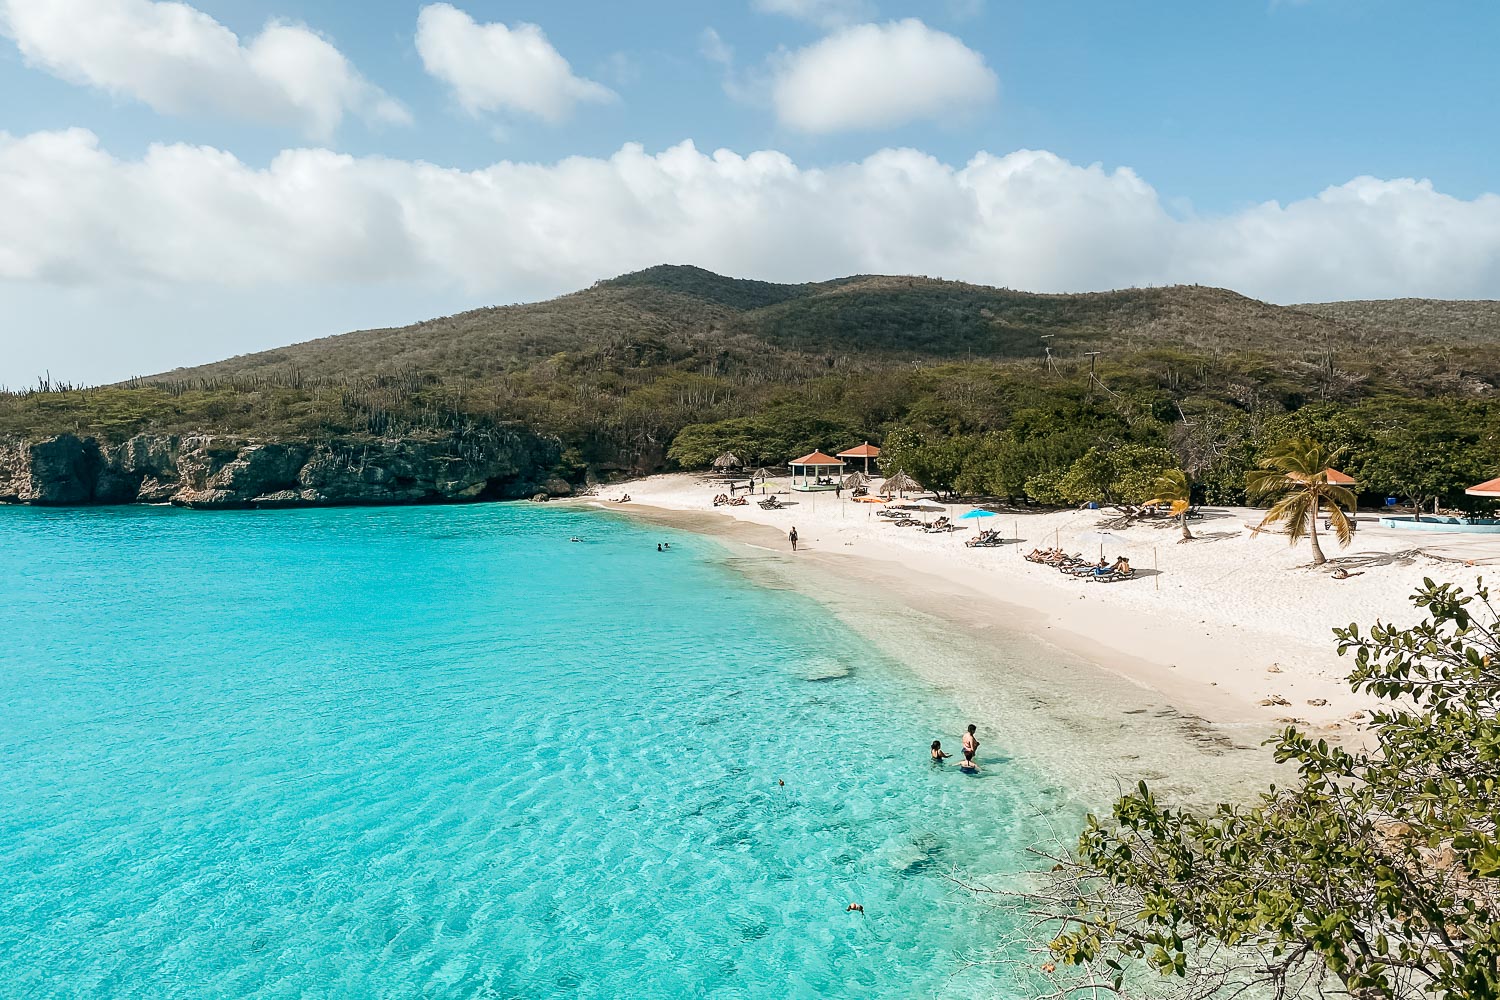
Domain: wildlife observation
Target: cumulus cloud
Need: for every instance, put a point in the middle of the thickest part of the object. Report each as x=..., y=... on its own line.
x=77, y=216
x=495, y=67
x=879, y=75
x=824, y=13
x=180, y=61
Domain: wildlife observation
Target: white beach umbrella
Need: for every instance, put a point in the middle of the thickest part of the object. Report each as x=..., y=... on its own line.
x=1101, y=537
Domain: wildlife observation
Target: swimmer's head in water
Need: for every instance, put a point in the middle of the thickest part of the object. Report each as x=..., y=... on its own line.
x=937, y=744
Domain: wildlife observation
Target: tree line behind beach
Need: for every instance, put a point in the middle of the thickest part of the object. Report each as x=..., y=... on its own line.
x=975, y=391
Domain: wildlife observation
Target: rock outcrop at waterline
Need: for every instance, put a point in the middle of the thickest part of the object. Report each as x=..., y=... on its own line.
x=208, y=471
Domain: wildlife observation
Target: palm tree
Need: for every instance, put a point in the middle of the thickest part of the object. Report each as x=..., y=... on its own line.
x=1172, y=487
x=1295, y=474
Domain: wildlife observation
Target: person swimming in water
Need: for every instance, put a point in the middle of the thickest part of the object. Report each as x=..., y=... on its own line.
x=938, y=753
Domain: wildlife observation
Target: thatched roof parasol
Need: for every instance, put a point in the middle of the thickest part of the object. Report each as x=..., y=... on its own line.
x=855, y=480
x=901, y=483
x=728, y=460
x=762, y=474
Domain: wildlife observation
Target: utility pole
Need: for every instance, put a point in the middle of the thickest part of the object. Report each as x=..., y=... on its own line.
x=1093, y=357
x=1047, y=347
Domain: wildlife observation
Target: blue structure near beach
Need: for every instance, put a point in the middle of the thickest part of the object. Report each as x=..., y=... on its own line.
x=1441, y=522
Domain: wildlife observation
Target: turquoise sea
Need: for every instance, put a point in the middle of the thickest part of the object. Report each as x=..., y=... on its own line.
x=446, y=752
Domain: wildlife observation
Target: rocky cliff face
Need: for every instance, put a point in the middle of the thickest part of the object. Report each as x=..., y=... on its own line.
x=218, y=472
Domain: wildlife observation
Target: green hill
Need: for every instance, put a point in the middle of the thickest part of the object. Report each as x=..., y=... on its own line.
x=662, y=366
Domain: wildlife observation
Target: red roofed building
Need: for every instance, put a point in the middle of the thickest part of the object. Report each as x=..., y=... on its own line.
x=1488, y=488
x=865, y=451
x=817, y=471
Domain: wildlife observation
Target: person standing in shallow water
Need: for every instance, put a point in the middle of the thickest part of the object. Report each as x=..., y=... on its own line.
x=970, y=745
x=791, y=536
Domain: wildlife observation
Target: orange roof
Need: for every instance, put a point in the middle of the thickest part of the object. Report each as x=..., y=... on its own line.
x=816, y=458
x=866, y=450
x=1490, y=488
x=1337, y=478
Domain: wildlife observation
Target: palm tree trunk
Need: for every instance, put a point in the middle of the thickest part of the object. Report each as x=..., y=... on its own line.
x=1312, y=533
x=1187, y=536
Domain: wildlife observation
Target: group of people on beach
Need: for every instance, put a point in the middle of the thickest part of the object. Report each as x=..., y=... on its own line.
x=970, y=749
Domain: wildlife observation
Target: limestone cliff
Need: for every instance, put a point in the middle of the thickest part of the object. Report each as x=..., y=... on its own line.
x=206, y=471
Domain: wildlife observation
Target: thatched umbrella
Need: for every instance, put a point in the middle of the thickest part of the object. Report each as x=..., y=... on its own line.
x=901, y=483
x=728, y=460
x=855, y=480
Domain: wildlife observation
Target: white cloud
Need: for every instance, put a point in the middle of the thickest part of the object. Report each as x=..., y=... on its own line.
x=880, y=75
x=824, y=13
x=494, y=67
x=199, y=218
x=180, y=61
x=712, y=47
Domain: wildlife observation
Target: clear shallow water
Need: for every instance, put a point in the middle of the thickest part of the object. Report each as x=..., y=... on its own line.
x=445, y=752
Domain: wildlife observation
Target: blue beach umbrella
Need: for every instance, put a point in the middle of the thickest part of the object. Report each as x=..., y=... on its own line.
x=975, y=515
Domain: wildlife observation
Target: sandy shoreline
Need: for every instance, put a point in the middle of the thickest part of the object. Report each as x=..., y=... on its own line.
x=1221, y=625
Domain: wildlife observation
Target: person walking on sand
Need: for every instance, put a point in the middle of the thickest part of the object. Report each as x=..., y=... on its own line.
x=791, y=536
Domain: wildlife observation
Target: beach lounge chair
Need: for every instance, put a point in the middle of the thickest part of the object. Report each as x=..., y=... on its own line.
x=1114, y=576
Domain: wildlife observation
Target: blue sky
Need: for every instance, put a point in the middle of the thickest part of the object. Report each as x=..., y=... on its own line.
x=1197, y=115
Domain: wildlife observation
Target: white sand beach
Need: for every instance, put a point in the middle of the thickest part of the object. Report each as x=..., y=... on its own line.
x=1218, y=626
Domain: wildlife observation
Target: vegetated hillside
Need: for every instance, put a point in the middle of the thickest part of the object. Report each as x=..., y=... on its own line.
x=668, y=366
x=1451, y=321
x=871, y=317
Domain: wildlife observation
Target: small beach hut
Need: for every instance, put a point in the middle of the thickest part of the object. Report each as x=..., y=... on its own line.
x=810, y=472
x=901, y=483
x=864, y=452
x=1488, y=488
x=728, y=460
